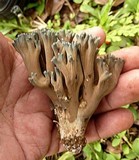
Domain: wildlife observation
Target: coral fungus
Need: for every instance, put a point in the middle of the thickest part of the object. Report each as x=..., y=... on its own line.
x=66, y=67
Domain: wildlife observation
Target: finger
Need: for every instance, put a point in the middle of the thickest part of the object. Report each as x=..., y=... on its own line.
x=108, y=124
x=96, y=31
x=126, y=92
x=131, y=57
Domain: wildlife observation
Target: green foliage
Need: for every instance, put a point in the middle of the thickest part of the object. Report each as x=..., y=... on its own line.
x=116, y=141
x=55, y=23
x=125, y=149
x=93, y=151
x=97, y=146
x=128, y=151
x=39, y=6
x=109, y=157
x=135, y=146
x=117, y=24
x=13, y=27
x=77, y=1
x=135, y=113
x=67, y=156
x=134, y=150
x=117, y=138
x=132, y=6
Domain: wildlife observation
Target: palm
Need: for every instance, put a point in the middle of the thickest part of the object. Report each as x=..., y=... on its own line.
x=26, y=123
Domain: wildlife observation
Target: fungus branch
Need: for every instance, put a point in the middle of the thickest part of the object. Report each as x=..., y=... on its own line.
x=72, y=76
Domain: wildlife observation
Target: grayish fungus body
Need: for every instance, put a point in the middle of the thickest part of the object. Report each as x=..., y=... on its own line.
x=66, y=67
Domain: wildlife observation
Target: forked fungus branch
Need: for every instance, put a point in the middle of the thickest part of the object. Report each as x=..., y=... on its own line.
x=66, y=67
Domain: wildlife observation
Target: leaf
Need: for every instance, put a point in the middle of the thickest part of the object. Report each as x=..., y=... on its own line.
x=78, y=1
x=40, y=8
x=88, y=150
x=112, y=48
x=112, y=23
x=13, y=34
x=122, y=134
x=102, y=49
x=31, y=5
x=135, y=146
x=97, y=146
x=131, y=5
x=116, y=155
x=67, y=156
x=112, y=37
x=11, y=28
x=116, y=142
x=134, y=111
x=89, y=157
x=125, y=149
x=110, y=157
x=131, y=155
x=79, y=27
x=88, y=9
x=105, y=12
x=137, y=8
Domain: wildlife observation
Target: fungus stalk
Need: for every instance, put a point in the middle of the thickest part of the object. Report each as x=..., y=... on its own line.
x=66, y=67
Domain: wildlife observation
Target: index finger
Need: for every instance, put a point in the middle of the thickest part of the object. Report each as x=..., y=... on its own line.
x=98, y=32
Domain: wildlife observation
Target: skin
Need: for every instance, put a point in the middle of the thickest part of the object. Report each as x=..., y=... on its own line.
x=27, y=131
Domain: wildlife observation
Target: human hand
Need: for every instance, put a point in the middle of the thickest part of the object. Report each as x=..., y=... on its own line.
x=27, y=131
